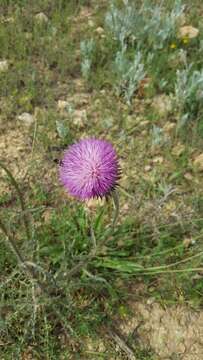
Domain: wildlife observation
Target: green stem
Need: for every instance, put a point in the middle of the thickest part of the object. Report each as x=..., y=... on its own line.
x=93, y=238
x=20, y=195
x=12, y=245
x=172, y=271
x=172, y=249
x=116, y=207
x=30, y=273
x=154, y=268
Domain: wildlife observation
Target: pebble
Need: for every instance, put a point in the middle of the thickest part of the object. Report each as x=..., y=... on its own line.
x=41, y=17
x=3, y=65
x=62, y=104
x=198, y=162
x=188, y=31
x=26, y=118
x=99, y=30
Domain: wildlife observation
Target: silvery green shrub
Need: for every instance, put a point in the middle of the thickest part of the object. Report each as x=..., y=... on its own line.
x=86, y=51
x=129, y=73
x=145, y=24
x=188, y=93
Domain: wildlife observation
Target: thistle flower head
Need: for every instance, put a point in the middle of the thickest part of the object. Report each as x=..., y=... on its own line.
x=89, y=169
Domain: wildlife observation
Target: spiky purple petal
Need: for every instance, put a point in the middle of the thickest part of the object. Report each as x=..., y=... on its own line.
x=89, y=169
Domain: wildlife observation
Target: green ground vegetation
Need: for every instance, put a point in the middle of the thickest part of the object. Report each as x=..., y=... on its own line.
x=119, y=70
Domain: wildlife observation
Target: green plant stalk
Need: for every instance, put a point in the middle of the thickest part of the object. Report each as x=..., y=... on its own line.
x=181, y=246
x=174, y=264
x=21, y=261
x=116, y=207
x=13, y=245
x=163, y=268
x=24, y=264
x=92, y=234
x=21, y=199
x=172, y=271
x=30, y=273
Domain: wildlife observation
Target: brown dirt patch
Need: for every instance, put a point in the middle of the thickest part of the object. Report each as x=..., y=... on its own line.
x=174, y=332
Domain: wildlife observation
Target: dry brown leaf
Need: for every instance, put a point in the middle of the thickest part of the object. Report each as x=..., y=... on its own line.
x=143, y=85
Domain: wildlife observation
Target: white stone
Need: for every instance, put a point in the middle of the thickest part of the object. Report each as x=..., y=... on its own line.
x=99, y=30
x=3, y=65
x=91, y=23
x=79, y=117
x=188, y=31
x=158, y=160
x=41, y=17
x=147, y=168
x=26, y=118
x=62, y=104
x=188, y=176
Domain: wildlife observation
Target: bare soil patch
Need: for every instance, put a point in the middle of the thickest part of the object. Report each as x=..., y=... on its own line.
x=174, y=332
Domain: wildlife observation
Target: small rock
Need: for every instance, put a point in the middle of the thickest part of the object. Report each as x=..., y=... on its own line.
x=125, y=207
x=151, y=300
x=41, y=17
x=168, y=127
x=91, y=23
x=188, y=31
x=187, y=242
x=3, y=65
x=144, y=123
x=178, y=150
x=8, y=20
x=101, y=347
x=28, y=35
x=79, y=117
x=198, y=162
x=147, y=168
x=188, y=176
x=99, y=30
x=26, y=118
x=62, y=104
x=158, y=160
x=162, y=104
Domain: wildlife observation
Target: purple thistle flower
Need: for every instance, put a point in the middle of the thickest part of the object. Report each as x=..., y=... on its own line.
x=89, y=169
